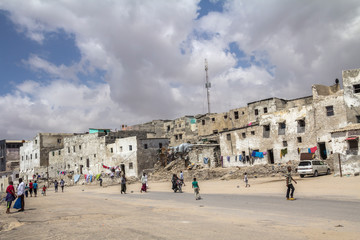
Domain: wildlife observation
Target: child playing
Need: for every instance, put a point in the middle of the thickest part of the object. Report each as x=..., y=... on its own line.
x=44, y=190
x=196, y=188
x=10, y=196
x=246, y=180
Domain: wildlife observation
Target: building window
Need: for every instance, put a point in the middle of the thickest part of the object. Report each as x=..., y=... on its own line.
x=256, y=112
x=131, y=165
x=87, y=162
x=215, y=131
x=282, y=127
x=68, y=149
x=26, y=157
x=22, y=158
x=266, y=133
x=225, y=116
x=145, y=146
x=301, y=126
x=35, y=141
x=356, y=88
x=358, y=118
x=168, y=128
x=299, y=139
x=79, y=147
x=130, y=147
x=74, y=148
x=53, y=153
x=121, y=149
x=30, y=156
x=94, y=155
x=80, y=159
x=243, y=135
x=265, y=110
x=59, y=152
x=68, y=166
x=353, y=144
x=236, y=115
x=35, y=155
x=203, y=122
x=176, y=137
x=179, y=125
x=160, y=145
x=213, y=119
x=284, y=143
x=111, y=150
x=252, y=132
x=228, y=137
x=180, y=136
x=329, y=111
x=59, y=140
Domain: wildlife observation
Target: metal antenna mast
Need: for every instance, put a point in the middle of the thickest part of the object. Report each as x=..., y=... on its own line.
x=207, y=85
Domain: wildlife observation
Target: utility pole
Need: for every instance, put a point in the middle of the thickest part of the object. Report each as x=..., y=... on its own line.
x=207, y=85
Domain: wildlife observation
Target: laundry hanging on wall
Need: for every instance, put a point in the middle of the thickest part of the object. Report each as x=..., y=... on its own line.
x=312, y=150
x=283, y=152
x=257, y=154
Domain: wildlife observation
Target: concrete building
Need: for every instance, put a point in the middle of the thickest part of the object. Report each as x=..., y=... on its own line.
x=10, y=154
x=132, y=151
x=34, y=154
x=279, y=130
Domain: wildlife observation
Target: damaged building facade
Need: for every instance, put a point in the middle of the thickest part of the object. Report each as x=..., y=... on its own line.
x=131, y=151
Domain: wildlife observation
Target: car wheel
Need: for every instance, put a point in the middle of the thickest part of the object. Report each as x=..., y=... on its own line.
x=302, y=175
x=315, y=173
x=328, y=172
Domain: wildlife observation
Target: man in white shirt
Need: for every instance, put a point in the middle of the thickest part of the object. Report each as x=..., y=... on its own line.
x=20, y=193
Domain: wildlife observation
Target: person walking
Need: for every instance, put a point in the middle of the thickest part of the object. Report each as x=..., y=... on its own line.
x=10, y=196
x=195, y=186
x=289, y=185
x=30, y=188
x=20, y=194
x=123, y=184
x=26, y=191
x=246, y=180
x=44, y=191
x=56, y=184
x=62, y=184
x=143, y=181
x=182, y=178
x=35, y=186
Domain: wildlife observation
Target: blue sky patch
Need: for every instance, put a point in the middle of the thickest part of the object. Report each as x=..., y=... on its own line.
x=207, y=6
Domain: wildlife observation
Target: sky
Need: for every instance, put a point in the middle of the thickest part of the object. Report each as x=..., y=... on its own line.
x=67, y=66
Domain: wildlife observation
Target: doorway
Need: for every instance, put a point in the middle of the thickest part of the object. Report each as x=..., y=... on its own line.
x=322, y=150
x=122, y=168
x=81, y=167
x=270, y=156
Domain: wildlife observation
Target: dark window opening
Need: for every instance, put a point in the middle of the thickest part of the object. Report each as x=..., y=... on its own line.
x=285, y=144
x=68, y=149
x=215, y=131
x=130, y=147
x=74, y=148
x=243, y=135
x=356, y=88
x=236, y=115
x=266, y=133
x=168, y=128
x=353, y=144
x=203, y=122
x=180, y=136
x=53, y=153
x=145, y=146
x=265, y=110
x=256, y=112
x=59, y=140
x=329, y=111
x=87, y=162
x=225, y=116
x=160, y=145
x=282, y=127
x=59, y=152
x=299, y=140
x=213, y=119
x=111, y=150
x=176, y=137
x=94, y=155
x=79, y=147
x=301, y=126
x=358, y=118
x=228, y=136
x=131, y=165
x=252, y=132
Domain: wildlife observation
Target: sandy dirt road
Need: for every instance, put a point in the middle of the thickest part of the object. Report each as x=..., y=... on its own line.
x=326, y=208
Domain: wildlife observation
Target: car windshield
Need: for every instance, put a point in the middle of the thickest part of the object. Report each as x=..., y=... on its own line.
x=305, y=164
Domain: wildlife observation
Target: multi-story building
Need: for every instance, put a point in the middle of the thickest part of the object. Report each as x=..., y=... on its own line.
x=10, y=154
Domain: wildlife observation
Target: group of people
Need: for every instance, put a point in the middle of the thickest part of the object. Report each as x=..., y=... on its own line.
x=23, y=190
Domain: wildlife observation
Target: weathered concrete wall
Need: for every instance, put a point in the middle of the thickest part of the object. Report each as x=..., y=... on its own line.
x=147, y=157
x=210, y=152
x=351, y=79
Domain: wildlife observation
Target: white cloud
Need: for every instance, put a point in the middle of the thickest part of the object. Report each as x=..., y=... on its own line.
x=153, y=55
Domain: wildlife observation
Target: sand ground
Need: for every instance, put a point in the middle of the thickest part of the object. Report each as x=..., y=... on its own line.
x=91, y=211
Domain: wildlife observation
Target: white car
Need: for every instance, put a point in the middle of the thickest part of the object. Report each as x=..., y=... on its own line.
x=312, y=167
